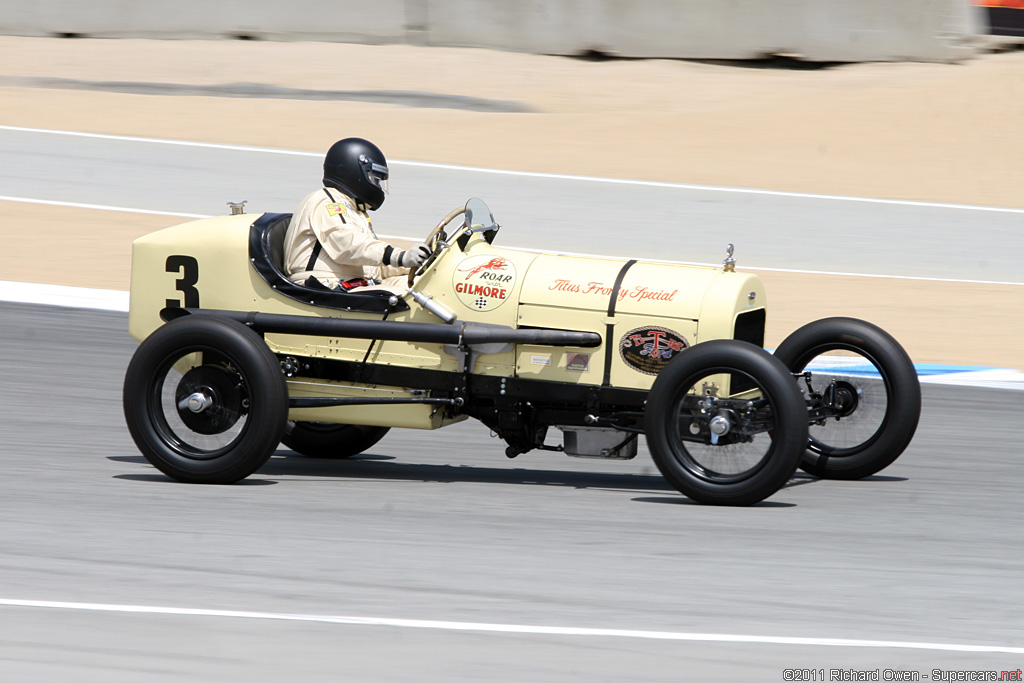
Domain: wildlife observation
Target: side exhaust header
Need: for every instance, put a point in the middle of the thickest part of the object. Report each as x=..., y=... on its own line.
x=467, y=333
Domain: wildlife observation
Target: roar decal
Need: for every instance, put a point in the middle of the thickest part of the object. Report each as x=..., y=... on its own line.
x=649, y=349
x=483, y=283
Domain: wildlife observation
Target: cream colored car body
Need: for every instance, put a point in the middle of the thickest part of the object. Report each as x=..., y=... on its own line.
x=205, y=264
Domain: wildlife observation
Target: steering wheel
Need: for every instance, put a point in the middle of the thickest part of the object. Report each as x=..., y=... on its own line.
x=434, y=242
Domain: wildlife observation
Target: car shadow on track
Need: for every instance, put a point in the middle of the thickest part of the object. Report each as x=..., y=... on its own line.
x=683, y=500
x=801, y=478
x=164, y=479
x=387, y=468
x=370, y=466
x=798, y=479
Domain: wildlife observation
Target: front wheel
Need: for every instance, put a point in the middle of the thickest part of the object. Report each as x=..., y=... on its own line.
x=328, y=440
x=205, y=400
x=863, y=394
x=725, y=423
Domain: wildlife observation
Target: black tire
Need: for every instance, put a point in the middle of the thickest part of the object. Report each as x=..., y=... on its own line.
x=766, y=411
x=327, y=440
x=237, y=393
x=884, y=411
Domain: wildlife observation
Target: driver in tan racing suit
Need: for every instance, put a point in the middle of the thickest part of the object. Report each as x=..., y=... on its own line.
x=330, y=242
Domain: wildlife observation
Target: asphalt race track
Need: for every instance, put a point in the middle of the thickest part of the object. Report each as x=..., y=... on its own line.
x=441, y=529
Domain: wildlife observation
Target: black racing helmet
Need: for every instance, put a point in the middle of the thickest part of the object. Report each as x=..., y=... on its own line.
x=358, y=168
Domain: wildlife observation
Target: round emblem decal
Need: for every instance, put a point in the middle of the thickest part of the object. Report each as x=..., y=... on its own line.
x=484, y=282
x=649, y=349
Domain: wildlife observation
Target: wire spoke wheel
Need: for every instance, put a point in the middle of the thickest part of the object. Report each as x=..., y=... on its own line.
x=744, y=444
x=854, y=391
x=863, y=395
x=726, y=423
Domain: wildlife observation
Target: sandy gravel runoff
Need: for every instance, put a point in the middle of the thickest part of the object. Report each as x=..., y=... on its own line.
x=931, y=132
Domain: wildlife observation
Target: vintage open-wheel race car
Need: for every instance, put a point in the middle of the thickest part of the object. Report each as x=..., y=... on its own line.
x=235, y=359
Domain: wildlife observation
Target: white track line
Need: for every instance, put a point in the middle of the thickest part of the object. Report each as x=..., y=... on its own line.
x=161, y=141
x=515, y=628
x=101, y=207
x=530, y=174
x=59, y=295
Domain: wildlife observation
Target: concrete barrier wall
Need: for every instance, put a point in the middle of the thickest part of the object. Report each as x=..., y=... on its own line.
x=334, y=20
x=818, y=30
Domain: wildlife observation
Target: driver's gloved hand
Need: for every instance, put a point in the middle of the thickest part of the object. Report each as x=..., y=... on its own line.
x=415, y=257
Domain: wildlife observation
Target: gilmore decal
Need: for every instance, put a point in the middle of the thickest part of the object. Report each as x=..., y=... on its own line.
x=636, y=293
x=649, y=349
x=483, y=282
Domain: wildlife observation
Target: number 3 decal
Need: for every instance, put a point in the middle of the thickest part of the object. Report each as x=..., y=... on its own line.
x=188, y=266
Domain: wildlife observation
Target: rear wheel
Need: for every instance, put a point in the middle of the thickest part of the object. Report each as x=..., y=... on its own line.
x=205, y=400
x=864, y=391
x=328, y=440
x=725, y=423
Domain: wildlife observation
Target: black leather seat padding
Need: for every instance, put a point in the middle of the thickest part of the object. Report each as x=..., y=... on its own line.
x=266, y=252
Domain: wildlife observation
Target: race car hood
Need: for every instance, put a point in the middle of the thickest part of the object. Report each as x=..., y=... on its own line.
x=646, y=289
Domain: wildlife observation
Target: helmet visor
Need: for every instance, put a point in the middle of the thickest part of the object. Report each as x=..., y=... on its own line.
x=377, y=174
